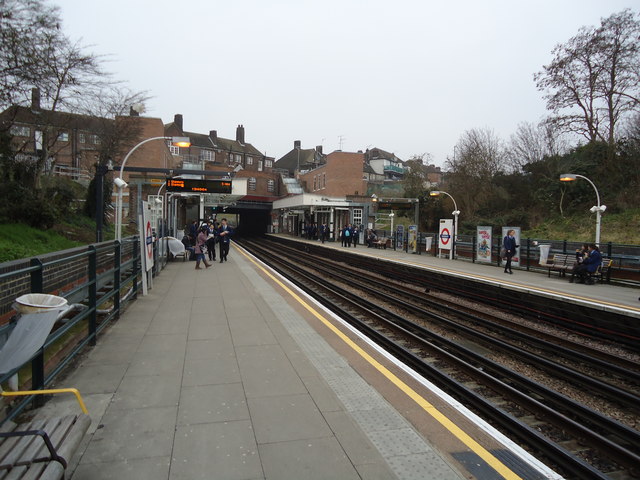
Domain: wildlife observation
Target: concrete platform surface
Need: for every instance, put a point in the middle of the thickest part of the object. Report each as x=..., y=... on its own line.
x=624, y=300
x=213, y=376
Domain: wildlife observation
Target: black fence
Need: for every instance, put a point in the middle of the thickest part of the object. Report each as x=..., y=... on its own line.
x=98, y=280
x=625, y=267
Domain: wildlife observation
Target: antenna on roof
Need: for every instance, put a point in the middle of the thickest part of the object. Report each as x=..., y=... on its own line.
x=340, y=141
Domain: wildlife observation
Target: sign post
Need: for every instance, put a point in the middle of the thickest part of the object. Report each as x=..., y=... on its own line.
x=445, y=237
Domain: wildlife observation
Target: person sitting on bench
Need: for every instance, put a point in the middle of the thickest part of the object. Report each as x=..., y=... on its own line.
x=589, y=265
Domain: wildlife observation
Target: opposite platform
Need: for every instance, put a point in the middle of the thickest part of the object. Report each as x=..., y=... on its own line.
x=622, y=300
x=213, y=375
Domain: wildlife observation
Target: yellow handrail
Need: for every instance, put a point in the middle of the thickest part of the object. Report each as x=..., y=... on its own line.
x=50, y=392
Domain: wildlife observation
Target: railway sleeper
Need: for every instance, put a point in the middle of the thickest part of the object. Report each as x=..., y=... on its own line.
x=574, y=446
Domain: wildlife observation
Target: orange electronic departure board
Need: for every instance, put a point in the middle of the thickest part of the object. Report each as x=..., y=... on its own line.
x=189, y=185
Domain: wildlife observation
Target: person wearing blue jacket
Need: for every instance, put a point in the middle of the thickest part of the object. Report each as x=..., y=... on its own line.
x=509, y=244
x=224, y=237
x=589, y=265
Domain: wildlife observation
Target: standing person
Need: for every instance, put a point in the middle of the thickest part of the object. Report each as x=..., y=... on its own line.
x=346, y=236
x=355, y=232
x=200, y=246
x=224, y=237
x=509, y=244
x=324, y=230
x=211, y=241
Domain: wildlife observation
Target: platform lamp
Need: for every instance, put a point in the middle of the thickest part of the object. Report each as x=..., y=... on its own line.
x=597, y=209
x=121, y=184
x=455, y=213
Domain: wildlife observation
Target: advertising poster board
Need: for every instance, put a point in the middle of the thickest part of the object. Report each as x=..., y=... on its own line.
x=445, y=236
x=146, y=236
x=483, y=244
x=515, y=261
x=400, y=237
x=413, y=238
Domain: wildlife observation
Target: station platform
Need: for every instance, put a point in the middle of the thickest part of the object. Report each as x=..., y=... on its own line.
x=623, y=300
x=231, y=373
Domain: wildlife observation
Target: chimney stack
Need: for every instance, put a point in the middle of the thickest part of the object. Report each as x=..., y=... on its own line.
x=240, y=134
x=213, y=135
x=177, y=119
x=319, y=149
x=296, y=144
x=35, y=99
x=133, y=112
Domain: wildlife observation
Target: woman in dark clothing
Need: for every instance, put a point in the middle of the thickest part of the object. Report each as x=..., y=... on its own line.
x=509, y=244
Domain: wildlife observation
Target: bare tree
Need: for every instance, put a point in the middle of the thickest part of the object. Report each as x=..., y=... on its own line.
x=531, y=143
x=480, y=156
x=415, y=179
x=593, y=80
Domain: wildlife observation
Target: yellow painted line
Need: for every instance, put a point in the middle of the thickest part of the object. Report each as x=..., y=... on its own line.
x=423, y=266
x=461, y=435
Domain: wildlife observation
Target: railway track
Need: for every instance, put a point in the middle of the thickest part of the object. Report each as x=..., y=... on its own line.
x=577, y=440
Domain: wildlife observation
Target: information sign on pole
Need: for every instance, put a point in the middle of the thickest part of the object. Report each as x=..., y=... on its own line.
x=515, y=260
x=445, y=236
x=400, y=237
x=483, y=244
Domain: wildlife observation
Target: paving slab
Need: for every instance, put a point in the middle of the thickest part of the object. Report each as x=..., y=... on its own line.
x=213, y=375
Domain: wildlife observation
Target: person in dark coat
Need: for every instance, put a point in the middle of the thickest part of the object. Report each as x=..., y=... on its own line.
x=224, y=239
x=211, y=241
x=509, y=244
x=589, y=265
x=324, y=232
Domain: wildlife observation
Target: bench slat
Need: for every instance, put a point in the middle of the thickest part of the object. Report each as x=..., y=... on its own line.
x=25, y=447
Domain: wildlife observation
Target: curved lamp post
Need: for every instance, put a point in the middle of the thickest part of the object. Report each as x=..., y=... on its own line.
x=597, y=209
x=455, y=213
x=121, y=184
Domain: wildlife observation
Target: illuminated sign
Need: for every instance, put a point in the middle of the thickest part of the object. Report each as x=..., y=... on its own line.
x=189, y=185
x=394, y=205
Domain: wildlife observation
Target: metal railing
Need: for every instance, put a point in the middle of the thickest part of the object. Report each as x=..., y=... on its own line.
x=93, y=278
x=624, y=269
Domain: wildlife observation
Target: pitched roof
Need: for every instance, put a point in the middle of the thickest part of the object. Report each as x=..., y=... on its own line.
x=63, y=120
x=303, y=157
x=379, y=153
x=205, y=141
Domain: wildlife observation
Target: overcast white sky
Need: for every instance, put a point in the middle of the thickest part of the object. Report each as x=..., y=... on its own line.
x=407, y=76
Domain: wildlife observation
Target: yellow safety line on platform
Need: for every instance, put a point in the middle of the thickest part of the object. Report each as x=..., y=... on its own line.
x=591, y=300
x=461, y=435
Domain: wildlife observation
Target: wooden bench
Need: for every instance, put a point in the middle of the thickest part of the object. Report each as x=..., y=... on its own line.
x=602, y=272
x=42, y=448
x=382, y=243
x=560, y=262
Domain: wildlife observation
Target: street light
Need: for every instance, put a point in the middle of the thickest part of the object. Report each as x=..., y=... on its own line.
x=455, y=214
x=597, y=209
x=121, y=184
x=393, y=235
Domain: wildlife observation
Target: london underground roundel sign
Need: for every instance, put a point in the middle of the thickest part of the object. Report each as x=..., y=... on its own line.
x=445, y=236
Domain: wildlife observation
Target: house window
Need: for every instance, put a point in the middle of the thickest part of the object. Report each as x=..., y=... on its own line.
x=315, y=182
x=268, y=163
x=63, y=137
x=206, y=155
x=174, y=150
x=238, y=158
x=95, y=139
x=357, y=216
x=249, y=160
x=259, y=165
x=324, y=180
x=252, y=183
x=82, y=138
x=20, y=131
x=271, y=186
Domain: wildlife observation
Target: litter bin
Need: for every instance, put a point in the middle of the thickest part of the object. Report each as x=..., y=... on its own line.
x=38, y=312
x=38, y=303
x=544, y=253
